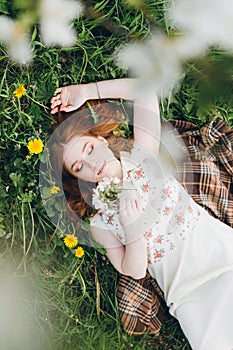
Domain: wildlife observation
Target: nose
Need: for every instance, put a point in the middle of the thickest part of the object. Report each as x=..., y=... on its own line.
x=91, y=162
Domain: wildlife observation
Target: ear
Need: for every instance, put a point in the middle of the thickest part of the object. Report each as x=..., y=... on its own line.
x=102, y=139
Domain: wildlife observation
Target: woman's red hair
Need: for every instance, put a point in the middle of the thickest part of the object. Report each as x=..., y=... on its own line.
x=110, y=115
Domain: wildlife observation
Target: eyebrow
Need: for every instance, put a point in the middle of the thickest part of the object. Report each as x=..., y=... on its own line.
x=83, y=149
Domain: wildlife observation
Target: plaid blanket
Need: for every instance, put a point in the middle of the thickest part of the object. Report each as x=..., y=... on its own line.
x=208, y=179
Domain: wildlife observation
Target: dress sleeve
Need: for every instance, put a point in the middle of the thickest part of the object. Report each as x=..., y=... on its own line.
x=110, y=222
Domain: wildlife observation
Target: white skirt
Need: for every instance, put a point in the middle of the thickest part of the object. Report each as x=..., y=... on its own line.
x=206, y=314
x=197, y=280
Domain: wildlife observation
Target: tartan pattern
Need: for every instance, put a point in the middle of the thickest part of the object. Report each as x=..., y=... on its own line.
x=208, y=179
x=146, y=299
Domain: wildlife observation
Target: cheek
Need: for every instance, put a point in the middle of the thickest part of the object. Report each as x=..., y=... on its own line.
x=109, y=154
x=89, y=175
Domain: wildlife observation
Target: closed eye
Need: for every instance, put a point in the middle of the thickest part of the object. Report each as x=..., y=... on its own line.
x=79, y=168
x=81, y=164
x=90, y=149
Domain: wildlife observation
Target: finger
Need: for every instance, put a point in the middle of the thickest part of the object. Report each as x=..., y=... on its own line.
x=131, y=207
x=55, y=98
x=124, y=205
x=139, y=204
x=132, y=204
x=67, y=109
x=65, y=96
x=57, y=91
x=122, y=202
x=56, y=103
x=52, y=100
x=54, y=110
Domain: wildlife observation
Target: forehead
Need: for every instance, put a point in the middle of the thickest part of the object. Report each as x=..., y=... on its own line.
x=75, y=145
x=77, y=141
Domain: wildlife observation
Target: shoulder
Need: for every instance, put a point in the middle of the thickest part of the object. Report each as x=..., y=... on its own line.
x=138, y=154
x=140, y=158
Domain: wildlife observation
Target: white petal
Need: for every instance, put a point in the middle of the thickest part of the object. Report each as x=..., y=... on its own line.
x=209, y=22
x=60, y=10
x=20, y=51
x=16, y=39
x=20, y=48
x=155, y=61
x=6, y=28
x=101, y=186
x=116, y=180
x=189, y=46
x=99, y=204
x=106, y=181
x=55, y=33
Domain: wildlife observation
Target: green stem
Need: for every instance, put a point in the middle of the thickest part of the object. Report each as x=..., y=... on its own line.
x=85, y=63
x=74, y=275
x=24, y=239
x=33, y=228
x=40, y=104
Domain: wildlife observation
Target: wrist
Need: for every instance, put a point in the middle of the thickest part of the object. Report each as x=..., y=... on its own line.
x=92, y=92
x=133, y=235
x=98, y=90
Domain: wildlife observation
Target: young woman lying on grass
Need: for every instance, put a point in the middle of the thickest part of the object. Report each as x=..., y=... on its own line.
x=153, y=224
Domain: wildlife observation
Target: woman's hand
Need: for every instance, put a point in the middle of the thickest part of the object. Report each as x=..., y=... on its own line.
x=130, y=210
x=129, y=217
x=69, y=98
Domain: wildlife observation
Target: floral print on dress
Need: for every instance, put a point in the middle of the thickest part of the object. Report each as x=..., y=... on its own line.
x=158, y=254
x=175, y=212
x=166, y=193
x=145, y=187
x=167, y=210
x=180, y=219
x=138, y=174
x=157, y=246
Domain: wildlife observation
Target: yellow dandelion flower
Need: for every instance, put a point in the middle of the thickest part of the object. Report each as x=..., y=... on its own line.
x=20, y=91
x=28, y=156
x=35, y=146
x=77, y=320
x=54, y=190
x=79, y=252
x=71, y=241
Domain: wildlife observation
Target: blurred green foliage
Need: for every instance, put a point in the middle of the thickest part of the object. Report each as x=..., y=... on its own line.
x=67, y=288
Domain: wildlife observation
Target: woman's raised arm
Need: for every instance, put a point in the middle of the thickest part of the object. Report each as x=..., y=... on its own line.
x=147, y=123
x=146, y=108
x=71, y=97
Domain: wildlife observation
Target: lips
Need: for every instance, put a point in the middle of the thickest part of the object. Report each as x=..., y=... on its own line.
x=100, y=171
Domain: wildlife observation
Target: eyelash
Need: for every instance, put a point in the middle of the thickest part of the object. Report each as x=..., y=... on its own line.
x=89, y=152
x=91, y=149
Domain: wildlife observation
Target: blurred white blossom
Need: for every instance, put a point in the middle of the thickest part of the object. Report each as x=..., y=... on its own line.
x=209, y=22
x=20, y=312
x=186, y=47
x=156, y=61
x=15, y=37
x=56, y=16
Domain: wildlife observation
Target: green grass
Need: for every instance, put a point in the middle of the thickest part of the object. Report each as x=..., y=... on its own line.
x=64, y=288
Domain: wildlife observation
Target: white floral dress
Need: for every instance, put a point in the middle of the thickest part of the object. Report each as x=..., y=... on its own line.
x=190, y=253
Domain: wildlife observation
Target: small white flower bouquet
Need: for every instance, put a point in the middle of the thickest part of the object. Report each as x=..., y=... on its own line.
x=105, y=194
